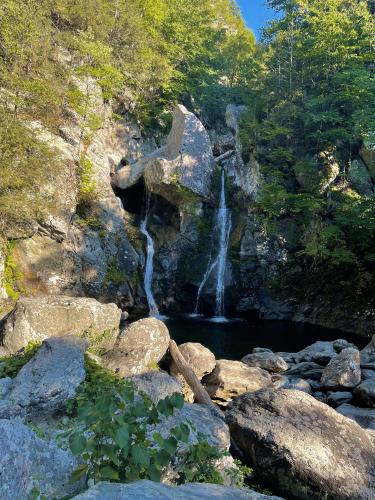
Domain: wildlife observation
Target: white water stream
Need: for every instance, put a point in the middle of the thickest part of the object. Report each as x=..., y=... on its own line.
x=223, y=227
x=149, y=269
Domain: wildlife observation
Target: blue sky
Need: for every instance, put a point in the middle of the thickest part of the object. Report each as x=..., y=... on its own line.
x=255, y=14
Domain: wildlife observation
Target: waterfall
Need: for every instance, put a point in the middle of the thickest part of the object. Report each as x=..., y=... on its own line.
x=223, y=227
x=149, y=270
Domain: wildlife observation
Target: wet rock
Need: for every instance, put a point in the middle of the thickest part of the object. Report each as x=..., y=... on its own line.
x=148, y=490
x=45, y=384
x=200, y=359
x=309, y=370
x=203, y=421
x=338, y=398
x=322, y=351
x=138, y=348
x=303, y=447
x=157, y=385
x=343, y=370
x=266, y=360
x=28, y=463
x=365, y=417
x=39, y=318
x=231, y=378
x=365, y=392
x=283, y=382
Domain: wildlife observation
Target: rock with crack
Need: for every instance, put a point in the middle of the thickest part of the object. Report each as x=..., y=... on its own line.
x=29, y=464
x=45, y=384
x=303, y=447
x=232, y=378
x=185, y=163
x=343, y=370
x=39, y=318
x=200, y=359
x=138, y=348
x=148, y=490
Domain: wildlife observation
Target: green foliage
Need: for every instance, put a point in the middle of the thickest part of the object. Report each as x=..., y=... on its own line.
x=87, y=191
x=110, y=432
x=114, y=274
x=11, y=365
x=13, y=277
x=97, y=340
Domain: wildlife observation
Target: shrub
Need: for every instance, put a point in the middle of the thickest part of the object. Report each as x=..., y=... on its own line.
x=11, y=365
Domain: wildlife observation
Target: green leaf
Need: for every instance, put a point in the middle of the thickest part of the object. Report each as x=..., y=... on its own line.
x=122, y=437
x=154, y=473
x=140, y=455
x=109, y=473
x=77, y=443
x=78, y=473
x=177, y=400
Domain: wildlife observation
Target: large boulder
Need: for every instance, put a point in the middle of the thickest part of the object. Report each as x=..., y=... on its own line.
x=322, y=351
x=138, y=348
x=365, y=392
x=303, y=447
x=185, y=163
x=28, y=463
x=200, y=359
x=360, y=178
x=48, y=380
x=156, y=384
x=232, y=378
x=39, y=318
x=148, y=490
x=343, y=370
x=365, y=417
x=266, y=360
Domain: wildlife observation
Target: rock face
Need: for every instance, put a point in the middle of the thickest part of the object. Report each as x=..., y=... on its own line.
x=266, y=360
x=368, y=353
x=283, y=382
x=343, y=370
x=231, y=378
x=140, y=346
x=35, y=319
x=45, y=384
x=303, y=447
x=306, y=369
x=365, y=392
x=365, y=417
x=148, y=490
x=186, y=159
x=157, y=385
x=27, y=463
x=338, y=398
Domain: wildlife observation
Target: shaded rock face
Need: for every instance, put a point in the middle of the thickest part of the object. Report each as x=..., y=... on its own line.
x=266, y=360
x=149, y=490
x=35, y=319
x=157, y=385
x=322, y=351
x=140, y=346
x=365, y=392
x=365, y=417
x=343, y=370
x=232, y=378
x=45, y=384
x=303, y=447
x=27, y=463
x=368, y=353
x=305, y=369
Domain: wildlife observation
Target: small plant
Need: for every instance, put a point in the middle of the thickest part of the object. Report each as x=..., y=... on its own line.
x=112, y=434
x=87, y=191
x=11, y=365
x=97, y=340
x=12, y=276
x=114, y=274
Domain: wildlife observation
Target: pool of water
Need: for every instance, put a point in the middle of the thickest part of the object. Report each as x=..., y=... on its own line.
x=234, y=339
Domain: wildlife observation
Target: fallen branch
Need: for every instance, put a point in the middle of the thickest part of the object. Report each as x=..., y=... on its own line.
x=200, y=393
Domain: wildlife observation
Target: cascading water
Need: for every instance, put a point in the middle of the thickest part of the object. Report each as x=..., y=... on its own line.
x=149, y=269
x=223, y=227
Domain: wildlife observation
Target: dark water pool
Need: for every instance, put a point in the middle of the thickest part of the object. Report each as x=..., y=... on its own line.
x=234, y=339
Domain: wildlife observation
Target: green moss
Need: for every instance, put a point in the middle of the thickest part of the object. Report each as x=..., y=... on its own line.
x=91, y=221
x=13, y=277
x=114, y=275
x=97, y=340
x=87, y=189
x=11, y=365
